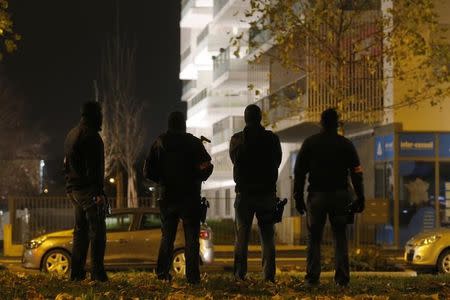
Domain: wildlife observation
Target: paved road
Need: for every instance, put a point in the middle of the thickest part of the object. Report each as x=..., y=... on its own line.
x=286, y=261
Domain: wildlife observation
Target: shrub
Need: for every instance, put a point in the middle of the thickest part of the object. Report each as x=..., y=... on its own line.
x=362, y=259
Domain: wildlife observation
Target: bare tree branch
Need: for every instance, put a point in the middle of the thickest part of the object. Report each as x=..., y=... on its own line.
x=123, y=112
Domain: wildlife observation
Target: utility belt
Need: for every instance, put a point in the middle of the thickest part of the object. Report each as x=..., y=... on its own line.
x=85, y=200
x=345, y=197
x=277, y=214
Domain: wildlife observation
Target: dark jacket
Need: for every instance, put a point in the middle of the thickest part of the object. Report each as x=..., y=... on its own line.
x=256, y=156
x=84, y=166
x=329, y=159
x=179, y=162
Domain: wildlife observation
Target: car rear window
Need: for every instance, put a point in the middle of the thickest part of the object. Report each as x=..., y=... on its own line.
x=119, y=222
x=150, y=221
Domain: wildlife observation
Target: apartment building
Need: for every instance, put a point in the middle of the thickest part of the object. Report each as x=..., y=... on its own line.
x=214, y=87
x=404, y=151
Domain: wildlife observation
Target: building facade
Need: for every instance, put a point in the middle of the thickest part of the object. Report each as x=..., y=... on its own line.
x=214, y=87
x=404, y=151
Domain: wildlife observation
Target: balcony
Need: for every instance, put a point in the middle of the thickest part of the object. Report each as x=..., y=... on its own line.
x=229, y=72
x=230, y=12
x=189, y=88
x=224, y=130
x=202, y=35
x=198, y=98
x=185, y=54
x=188, y=70
x=218, y=5
x=259, y=39
x=208, y=107
x=223, y=167
x=196, y=13
x=287, y=102
x=202, y=53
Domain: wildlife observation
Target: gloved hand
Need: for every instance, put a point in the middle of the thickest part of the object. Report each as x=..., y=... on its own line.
x=357, y=206
x=300, y=206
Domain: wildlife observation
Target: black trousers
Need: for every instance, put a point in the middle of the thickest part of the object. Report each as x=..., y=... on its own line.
x=90, y=229
x=171, y=214
x=319, y=206
x=246, y=207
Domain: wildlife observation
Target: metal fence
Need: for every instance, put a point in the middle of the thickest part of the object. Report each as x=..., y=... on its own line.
x=33, y=216
x=358, y=234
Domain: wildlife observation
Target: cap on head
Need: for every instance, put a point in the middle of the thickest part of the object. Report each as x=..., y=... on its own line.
x=177, y=121
x=329, y=119
x=252, y=115
x=91, y=113
x=91, y=109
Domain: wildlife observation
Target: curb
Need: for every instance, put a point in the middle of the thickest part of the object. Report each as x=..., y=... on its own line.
x=400, y=274
x=230, y=248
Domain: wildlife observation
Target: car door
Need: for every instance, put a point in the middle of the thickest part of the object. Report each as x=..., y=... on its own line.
x=118, y=239
x=147, y=237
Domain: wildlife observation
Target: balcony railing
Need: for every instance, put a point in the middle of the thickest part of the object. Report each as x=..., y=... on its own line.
x=218, y=5
x=221, y=63
x=224, y=129
x=198, y=98
x=185, y=53
x=203, y=35
x=284, y=103
x=222, y=163
x=258, y=37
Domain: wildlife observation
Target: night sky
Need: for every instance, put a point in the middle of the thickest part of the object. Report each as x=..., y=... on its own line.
x=60, y=54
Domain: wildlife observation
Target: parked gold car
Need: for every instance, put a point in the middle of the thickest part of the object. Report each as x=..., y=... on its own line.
x=133, y=237
x=430, y=250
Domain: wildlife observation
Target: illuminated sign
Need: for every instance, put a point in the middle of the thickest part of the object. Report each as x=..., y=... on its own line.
x=417, y=144
x=384, y=147
x=444, y=145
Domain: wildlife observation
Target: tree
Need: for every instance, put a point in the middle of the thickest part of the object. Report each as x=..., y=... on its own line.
x=348, y=51
x=123, y=113
x=8, y=39
x=20, y=145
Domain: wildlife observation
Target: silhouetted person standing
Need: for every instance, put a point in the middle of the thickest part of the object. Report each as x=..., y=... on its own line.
x=328, y=158
x=256, y=156
x=84, y=170
x=179, y=163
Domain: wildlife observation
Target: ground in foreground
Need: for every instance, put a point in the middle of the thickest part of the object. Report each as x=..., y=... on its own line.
x=143, y=285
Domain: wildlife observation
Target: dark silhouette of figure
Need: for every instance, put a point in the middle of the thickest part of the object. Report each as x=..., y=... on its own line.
x=328, y=158
x=256, y=156
x=84, y=172
x=179, y=163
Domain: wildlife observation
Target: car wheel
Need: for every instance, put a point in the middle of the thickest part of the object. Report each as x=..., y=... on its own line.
x=56, y=262
x=443, y=263
x=179, y=263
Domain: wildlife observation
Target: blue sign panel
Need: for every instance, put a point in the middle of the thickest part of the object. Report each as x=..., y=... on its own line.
x=384, y=147
x=444, y=145
x=417, y=144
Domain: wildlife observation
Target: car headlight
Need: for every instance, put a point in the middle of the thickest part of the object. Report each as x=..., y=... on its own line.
x=33, y=244
x=428, y=240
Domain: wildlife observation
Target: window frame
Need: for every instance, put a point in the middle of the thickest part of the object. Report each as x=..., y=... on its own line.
x=130, y=227
x=141, y=218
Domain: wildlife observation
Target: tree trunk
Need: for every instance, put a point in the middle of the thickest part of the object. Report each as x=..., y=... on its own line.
x=132, y=189
x=120, y=203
